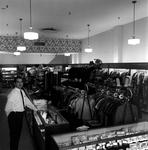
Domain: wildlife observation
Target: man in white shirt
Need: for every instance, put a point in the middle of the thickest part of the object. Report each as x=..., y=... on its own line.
x=15, y=107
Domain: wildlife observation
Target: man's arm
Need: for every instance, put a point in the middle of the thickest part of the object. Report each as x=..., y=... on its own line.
x=8, y=107
x=30, y=104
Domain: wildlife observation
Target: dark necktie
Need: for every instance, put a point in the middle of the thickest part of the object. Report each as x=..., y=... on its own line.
x=22, y=98
x=26, y=93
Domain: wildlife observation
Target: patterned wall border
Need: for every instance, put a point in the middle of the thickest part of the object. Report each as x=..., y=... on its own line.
x=9, y=44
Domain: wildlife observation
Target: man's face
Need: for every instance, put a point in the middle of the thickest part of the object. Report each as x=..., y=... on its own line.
x=19, y=83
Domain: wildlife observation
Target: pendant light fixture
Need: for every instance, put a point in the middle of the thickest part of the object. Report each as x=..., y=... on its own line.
x=21, y=47
x=31, y=35
x=134, y=41
x=16, y=53
x=88, y=49
x=67, y=54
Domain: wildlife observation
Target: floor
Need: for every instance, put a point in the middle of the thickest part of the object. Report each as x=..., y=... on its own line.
x=26, y=141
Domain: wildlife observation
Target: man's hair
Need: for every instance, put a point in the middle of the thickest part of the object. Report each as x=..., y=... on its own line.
x=17, y=77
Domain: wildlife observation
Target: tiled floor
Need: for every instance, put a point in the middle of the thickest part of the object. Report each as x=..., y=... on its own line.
x=26, y=141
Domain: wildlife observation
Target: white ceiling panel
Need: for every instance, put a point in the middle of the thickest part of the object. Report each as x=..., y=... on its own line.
x=69, y=17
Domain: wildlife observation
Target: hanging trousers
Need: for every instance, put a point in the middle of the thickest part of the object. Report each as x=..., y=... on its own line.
x=15, y=122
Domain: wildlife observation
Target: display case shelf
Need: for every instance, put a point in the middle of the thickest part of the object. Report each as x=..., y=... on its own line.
x=128, y=133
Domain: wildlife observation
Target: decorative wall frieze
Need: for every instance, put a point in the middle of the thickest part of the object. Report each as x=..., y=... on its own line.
x=9, y=44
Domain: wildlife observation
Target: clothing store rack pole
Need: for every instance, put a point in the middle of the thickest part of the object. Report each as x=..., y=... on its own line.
x=131, y=109
x=87, y=89
x=72, y=88
x=89, y=108
x=128, y=100
x=82, y=106
x=130, y=70
x=88, y=105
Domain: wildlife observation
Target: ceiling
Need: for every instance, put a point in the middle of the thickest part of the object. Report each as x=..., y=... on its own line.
x=68, y=17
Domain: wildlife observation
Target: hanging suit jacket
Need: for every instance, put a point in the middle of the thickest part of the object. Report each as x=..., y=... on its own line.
x=124, y=114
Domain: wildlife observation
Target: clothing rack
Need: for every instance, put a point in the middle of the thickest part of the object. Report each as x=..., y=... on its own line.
x=85, y=99
x=72, y=88
x=85, y=96
x=121, y=95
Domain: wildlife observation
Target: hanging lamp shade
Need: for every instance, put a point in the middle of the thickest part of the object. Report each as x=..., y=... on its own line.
x=17, y=53
x=21, y=47
x=134, y=41
x=88, y=49
x=66, y=54
x=30, y=35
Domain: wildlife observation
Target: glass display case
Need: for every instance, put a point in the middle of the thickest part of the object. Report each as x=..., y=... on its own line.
x=125, y=137
x=47, y=123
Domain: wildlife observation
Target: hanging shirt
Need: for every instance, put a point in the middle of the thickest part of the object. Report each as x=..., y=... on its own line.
x=15, y=102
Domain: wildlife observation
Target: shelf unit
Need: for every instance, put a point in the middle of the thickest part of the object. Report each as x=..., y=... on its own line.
x=9, y=74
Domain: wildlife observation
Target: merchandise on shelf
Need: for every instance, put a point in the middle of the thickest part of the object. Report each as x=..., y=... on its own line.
x=46, y=123
x=126, y=137
x=41, y=104
x=47, y=117
x=8, y=76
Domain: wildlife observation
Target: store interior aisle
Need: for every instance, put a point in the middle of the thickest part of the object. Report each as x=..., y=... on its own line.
x=26, y=141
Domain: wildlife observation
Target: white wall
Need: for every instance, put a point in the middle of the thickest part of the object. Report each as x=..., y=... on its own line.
x=102, y=45
x=110, y=47
x=137, y=53
x=25, y=59
x=34, y=58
